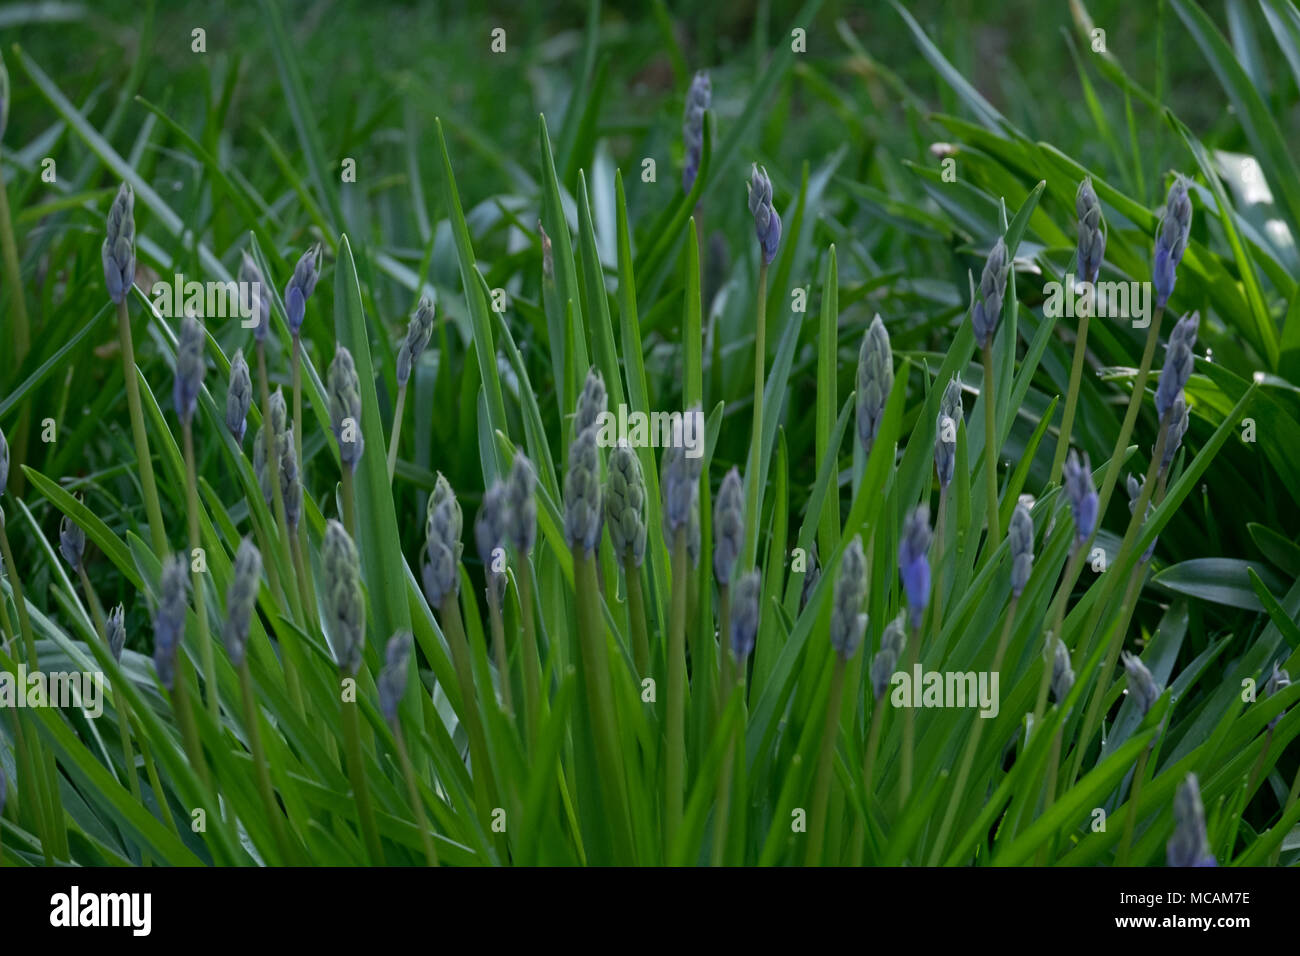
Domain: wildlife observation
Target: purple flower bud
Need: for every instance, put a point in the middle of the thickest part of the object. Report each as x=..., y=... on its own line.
x=913, y=564
x=169, y=618
x=1177, y=429
x=258, y=295
x=847, y=619
x=1171, y=239
x=767, y=222
x=238, y=397
x=875, y=381
x=892, y=644
x=697, y=102
x=489, y=535
x=1134, y=488
x=728, y=526
x=391, y=682
x=118, y=250
x=190, y=367
x=1141, y=685
x=1178, y=362
x=1190, y=844
x=987, y=310
x=1081, y=494
x=301, y=285
x=744, y=615
x=1020, y=533
x=1092, y=232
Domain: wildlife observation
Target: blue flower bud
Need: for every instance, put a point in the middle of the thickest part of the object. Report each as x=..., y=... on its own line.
x=1190, y=844
x=728, y=526
x=697, y=102
x=118, y=250
x=391, y=682
x=1082, y=495
x=913, y=563
x=847, y=618
x=767, y=222
x=1171, y=239
x=744, y=614
x=301, y=285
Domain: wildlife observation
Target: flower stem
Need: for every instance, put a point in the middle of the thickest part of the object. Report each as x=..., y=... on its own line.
x=413, y=792
x=722, y=812
x=1071, y=400
x=909, y=723
x=357, y=773
x=600, y=701
x=971, y=749
x=637, y=618
x=752, y=483
x=532, y=660
x=200, y=600
x=397, y=431
x=1130, y=821
x=252, y=728
x=991, y=453
x=499, y=646
x=143, y=459
x=675, y=721
x=481, y=769
x=822, y=787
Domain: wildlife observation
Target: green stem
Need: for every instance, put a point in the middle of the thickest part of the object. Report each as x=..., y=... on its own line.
x=675, y=720
x=200, y=601
x=252, y=728
x=21, y=326
x=349, y=503
x=1071, y=401
x=413, y=793
x=273, y=470
x=499, y=645
x=752, y=484
x=397, y=431
x=1053, y=768
x=144, y=460
x=600, y=702
x=637, y=618
x=1130, y=821
x=722, y=814
x=822, y=788
x=481, y=770
x=297, y=399
x=991, y=453
x=185, y=717
x=357, y=774
x=873, y=748
x=909, y=724
x=971, y=749
x=532, y=660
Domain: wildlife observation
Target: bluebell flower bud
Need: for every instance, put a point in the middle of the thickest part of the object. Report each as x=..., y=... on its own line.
x=848, y=620
x=1092, y=231
x=1062, y=675
x=892, y=644
x=190, y=368
x=728, y=527
x=345, y=407
x=72, y=542
x=1082, y=495
x=1178, y=423
x=490, y=536
x=812, y=573
x=290, y=481
x=169, y=618
x=239, y=397
x=241, y=599
x=115, y=628
x=301, y=285
x=913, y=562
x=1190, y=843
x=256, y=295
x=1171, y=239
x=442, y=544
x=582, y=511
x=118, y=250
x=521, y=506
x=767, y=222
x=1277, y=682
x=875, y=381
x=1020, y=534
x=987, y=311
x=1142, y=686
x=391, y=682
x=1178, y=362
x=745, y=599
x=679, y=481
x=697, y=102
x=591, y=402
x=946, y=425
x=625, y=505
x=345, y=604
x=418, y=333
x=1134, y=488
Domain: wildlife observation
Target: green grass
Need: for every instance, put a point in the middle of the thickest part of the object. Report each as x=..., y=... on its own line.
x=463, y=158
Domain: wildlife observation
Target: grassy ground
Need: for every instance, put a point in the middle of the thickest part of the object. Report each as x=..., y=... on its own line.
x=249, y=147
